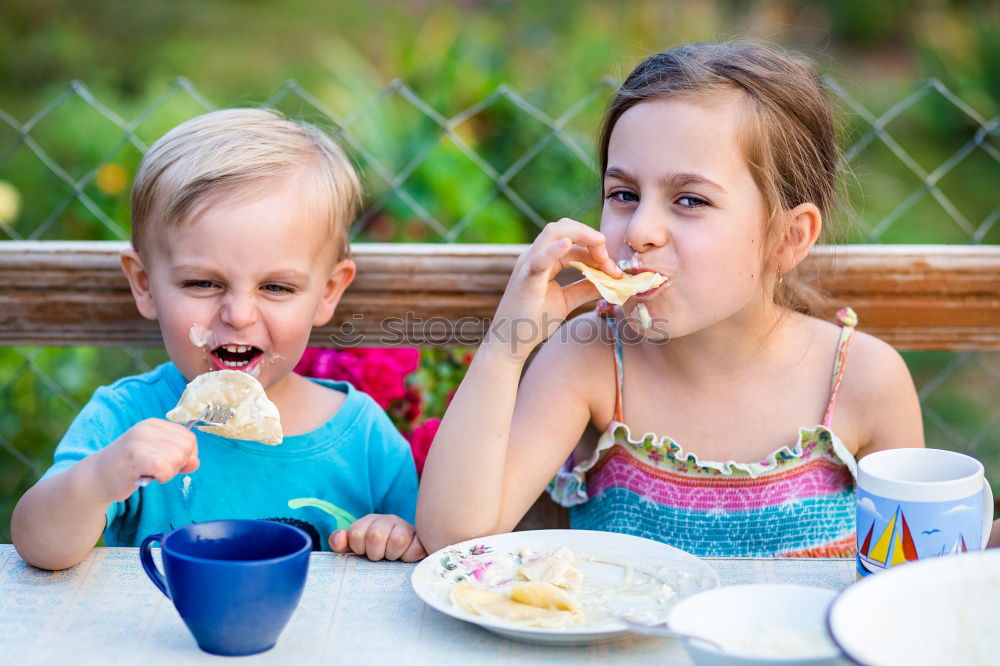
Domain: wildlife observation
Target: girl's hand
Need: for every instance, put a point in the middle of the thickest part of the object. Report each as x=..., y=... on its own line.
x=378, y=536
x=153, y=447
x=534, y=305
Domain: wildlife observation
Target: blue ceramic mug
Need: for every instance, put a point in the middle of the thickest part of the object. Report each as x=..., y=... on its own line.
x=918, y=503
x=235, y=583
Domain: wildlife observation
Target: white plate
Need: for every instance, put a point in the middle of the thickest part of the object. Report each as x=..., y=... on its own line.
x=432, y=579
x=941, y=610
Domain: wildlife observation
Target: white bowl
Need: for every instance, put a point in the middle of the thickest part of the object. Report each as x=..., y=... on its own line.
x=758, y=624
x=942, y=610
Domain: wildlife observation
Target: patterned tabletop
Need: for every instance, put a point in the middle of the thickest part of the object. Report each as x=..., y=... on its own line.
x=105, y=611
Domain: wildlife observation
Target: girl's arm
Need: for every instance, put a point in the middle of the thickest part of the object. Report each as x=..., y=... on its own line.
x=497, y=446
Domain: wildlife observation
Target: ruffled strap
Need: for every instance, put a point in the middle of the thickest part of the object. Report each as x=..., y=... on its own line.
x=848, y=320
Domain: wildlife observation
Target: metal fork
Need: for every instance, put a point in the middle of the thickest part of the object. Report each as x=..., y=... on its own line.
x=215, y=415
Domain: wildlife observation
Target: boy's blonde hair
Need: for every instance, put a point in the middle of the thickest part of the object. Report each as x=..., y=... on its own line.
x=786, y=131
x=224, y=153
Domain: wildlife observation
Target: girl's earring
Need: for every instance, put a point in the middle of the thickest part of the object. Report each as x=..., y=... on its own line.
x=780, y=276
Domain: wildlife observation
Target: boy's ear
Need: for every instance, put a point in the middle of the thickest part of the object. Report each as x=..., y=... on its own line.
x=138, y=281
x=805, y=223
x=339, y=279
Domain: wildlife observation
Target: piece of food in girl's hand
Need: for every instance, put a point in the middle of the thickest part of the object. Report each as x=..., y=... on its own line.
x=254, y=416
x=618, y=290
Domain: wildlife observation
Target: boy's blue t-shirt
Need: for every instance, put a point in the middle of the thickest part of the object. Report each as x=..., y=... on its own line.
x=355, y=464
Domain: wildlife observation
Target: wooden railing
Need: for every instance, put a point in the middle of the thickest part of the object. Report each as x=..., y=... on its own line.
x=912, y=296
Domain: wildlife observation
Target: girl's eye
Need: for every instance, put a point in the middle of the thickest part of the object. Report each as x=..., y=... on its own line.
x=623, y=196
x=278, y=289
x=688, y=201
x=198, y=284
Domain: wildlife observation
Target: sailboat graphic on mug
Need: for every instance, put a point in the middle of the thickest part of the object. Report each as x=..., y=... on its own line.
x=894, y=545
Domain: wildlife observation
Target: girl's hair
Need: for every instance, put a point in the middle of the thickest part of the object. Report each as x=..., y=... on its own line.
x=235, y=152
x=786, y=130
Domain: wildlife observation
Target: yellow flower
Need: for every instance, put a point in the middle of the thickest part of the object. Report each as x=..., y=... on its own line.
x=111, y=178
x=10, y=202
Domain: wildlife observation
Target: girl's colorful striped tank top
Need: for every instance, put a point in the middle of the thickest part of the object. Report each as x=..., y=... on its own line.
x=798, y=502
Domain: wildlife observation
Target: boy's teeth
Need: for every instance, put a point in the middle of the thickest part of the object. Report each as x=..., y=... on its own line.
x=236, y=349
x=234, y=364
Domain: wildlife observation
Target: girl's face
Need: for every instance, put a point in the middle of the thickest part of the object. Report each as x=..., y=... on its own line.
x=679, y=191
x=249, y=278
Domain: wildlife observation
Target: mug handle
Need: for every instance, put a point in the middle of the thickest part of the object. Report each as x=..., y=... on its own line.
x=987, y=511
x=146, y=557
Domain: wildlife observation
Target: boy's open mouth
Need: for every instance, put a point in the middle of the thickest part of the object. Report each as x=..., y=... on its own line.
x=236, y=357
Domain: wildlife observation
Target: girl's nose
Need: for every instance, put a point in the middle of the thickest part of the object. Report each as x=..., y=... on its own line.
x=647, y=229
x=239, y=311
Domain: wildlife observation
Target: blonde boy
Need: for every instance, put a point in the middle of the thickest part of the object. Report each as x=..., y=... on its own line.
x=239, y=247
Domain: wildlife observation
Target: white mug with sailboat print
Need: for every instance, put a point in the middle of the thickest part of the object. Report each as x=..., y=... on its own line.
x=919, y=503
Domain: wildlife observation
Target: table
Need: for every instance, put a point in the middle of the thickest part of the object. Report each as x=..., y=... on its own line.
x=353, y=611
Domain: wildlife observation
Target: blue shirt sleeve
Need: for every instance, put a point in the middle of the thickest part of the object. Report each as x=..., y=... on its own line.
x=394, y=485
x=101, y=421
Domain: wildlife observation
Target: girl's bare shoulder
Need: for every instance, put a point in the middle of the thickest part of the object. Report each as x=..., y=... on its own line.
x=579, y=358
x=877, y=397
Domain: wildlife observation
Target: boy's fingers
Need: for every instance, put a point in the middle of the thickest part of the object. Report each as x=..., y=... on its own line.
x=400, y=538
x=357, y=533
x=192, y=462
x=191, y=465
x=377, y=537
x=338, y=541
x=415, y=552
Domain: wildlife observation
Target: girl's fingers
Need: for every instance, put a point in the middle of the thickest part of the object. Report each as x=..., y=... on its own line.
x=547, y=260
x=579, y=293
x=599, y=254
x=585, y=244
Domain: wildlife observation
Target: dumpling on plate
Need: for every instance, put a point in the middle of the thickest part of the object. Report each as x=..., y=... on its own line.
x=254, y=416
x=487, y=603
x=559, y=569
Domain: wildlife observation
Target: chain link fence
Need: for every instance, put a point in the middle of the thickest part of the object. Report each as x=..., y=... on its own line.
x=493, y=172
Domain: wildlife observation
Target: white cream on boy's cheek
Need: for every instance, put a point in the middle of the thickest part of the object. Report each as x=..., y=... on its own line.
x=201, y=337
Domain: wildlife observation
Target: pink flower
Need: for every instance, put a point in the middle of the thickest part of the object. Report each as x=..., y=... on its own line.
x=381, y=373
x=420, y=441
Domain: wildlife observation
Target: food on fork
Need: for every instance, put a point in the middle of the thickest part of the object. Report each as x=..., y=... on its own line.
x=618, y=290
x=254, y=416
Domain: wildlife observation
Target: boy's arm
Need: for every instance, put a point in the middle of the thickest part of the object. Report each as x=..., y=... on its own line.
x=58, y=521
